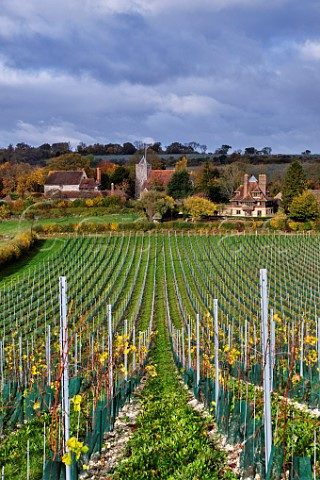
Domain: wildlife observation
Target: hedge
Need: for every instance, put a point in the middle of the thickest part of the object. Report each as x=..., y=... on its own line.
x=14, y=249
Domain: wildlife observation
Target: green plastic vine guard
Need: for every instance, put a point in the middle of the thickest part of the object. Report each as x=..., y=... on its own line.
x=275, y=468
x=52, y=470
x=302, y=468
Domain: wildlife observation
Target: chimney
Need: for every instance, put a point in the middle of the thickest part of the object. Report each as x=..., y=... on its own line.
x=245, y=184
x=99, y=175
x=263, y=183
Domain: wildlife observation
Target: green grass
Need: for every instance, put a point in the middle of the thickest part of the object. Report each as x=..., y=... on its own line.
x=11, y=228
x=39, y=253
x=172, y=440
x=13, y=452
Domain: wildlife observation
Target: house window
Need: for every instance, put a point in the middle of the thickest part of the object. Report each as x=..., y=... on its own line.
x=259, y=213
x=256, y=194
x=238, y=212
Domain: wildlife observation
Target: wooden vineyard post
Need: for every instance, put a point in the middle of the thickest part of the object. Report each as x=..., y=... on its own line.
x=266, y=365
x=216, y=352
x=64, y=349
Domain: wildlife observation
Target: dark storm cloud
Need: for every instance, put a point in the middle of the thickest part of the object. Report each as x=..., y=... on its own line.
x=243, y=72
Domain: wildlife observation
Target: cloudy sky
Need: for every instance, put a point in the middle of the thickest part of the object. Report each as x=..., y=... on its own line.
x=241, y=72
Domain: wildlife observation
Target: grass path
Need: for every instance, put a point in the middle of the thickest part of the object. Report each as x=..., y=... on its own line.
x=172, y=440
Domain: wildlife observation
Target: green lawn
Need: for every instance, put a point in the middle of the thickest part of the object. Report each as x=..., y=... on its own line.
x=40, y=252
x=11, y=228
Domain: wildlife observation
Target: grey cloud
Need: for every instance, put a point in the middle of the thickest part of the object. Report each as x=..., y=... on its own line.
x=229, y=71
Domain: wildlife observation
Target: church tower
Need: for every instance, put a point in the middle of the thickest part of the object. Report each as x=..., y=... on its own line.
x=143, y=169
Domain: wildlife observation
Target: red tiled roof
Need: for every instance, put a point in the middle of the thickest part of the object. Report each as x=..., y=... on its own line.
x=159, y=177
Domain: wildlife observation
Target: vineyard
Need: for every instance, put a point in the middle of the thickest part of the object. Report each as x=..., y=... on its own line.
x=240, y=352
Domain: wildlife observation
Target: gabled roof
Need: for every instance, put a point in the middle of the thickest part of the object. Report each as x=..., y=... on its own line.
x=73, y=177
x=88, y=184
x=253, y=186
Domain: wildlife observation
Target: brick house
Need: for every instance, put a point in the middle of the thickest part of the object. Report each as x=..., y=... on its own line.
x=251, y=199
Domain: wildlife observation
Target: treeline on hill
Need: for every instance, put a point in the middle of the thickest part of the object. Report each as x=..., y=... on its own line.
x=195, y=152
x=212, y=180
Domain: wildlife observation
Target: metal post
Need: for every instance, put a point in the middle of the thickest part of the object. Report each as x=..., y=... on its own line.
x=110, y=357
x=48, y=354
x=125, y=360
x=64, y=349
x=189, y=346
x=245, y=344
x=182, y=348
x=302, y=347
x=216, y=351
x=134, y=361
x=272, y=348
x=28, y=459
x=318, y=335
x=266, y=370
x=198, y=350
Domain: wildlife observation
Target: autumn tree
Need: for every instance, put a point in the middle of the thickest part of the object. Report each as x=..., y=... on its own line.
x=14, y=176
x=294, y=183
x=304, y=207
x=155, y=202
x=181, y=164
x=107, y=169
x=70, y=161
x=36, y=180
x=207, y=181
x=198, y=207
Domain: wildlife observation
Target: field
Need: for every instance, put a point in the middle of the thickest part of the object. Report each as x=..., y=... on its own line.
x=11, y=228
x=120, y=289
